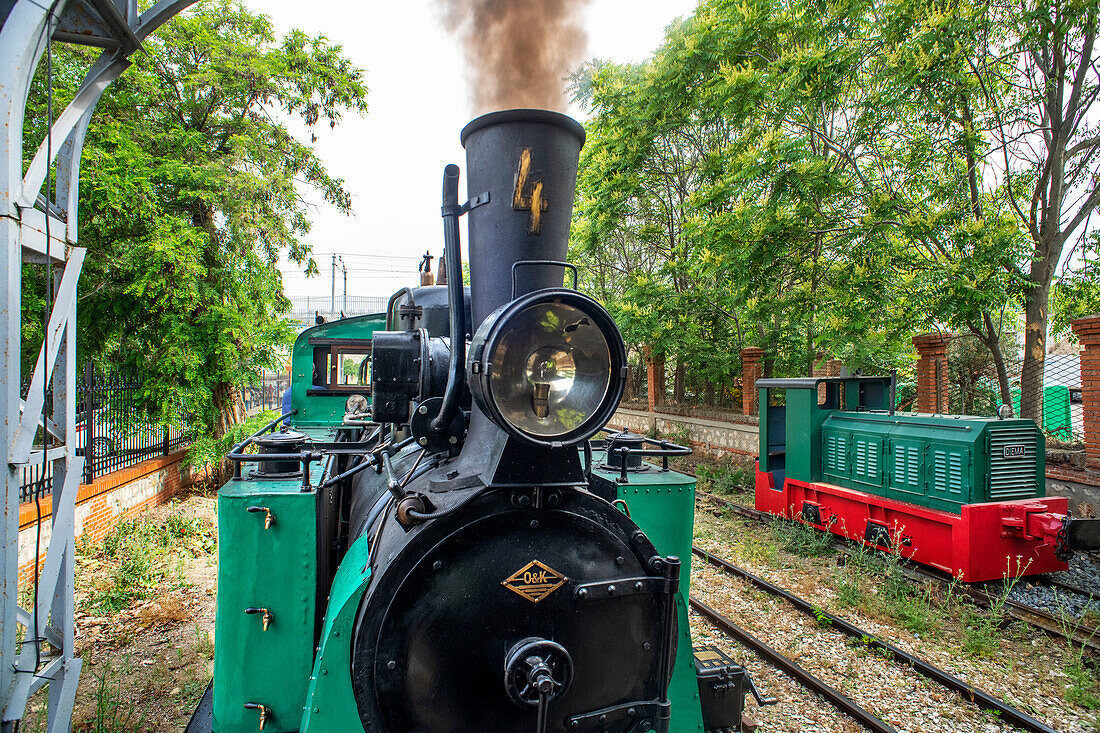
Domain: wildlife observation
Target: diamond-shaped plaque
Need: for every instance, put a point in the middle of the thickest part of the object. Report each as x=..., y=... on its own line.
x=534, y=581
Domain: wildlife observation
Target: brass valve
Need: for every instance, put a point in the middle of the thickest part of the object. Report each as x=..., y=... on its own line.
x=261, y=708
x=269, y=518
x=266, y=615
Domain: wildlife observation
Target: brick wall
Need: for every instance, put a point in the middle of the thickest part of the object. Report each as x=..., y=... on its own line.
x=105, y=502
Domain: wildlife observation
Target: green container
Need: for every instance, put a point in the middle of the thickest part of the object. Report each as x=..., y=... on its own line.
x=272, y=568
x=662, y=504
x=1057, y=422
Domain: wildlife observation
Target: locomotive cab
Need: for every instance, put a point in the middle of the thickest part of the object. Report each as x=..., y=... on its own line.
x=802, y=406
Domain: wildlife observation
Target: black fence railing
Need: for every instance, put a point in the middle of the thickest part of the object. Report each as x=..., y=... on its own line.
x=266, y=394
x=112, y=432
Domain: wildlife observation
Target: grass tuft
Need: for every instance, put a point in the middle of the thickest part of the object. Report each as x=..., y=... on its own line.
x=135, y=553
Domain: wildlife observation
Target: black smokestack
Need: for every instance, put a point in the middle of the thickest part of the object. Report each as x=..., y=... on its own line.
x=518, y=51
x=526, y=159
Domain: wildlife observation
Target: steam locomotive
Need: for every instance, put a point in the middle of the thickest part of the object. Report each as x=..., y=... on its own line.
x=963, y=494
x=433, y=538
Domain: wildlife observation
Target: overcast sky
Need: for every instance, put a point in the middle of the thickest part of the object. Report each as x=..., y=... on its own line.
x=392, y=158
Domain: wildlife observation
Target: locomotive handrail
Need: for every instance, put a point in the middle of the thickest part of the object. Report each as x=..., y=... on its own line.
x=270, y=426
x=532, y=263
x=237, y=456
x=236, y=453
x=456, y=300
x=899, y=421
x=665, y=449
x=393, y=299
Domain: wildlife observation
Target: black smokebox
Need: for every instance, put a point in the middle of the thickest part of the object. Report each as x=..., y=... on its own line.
x=526, y=159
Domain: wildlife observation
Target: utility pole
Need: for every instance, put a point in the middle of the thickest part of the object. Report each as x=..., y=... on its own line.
x=345, y=266
x=332, y=302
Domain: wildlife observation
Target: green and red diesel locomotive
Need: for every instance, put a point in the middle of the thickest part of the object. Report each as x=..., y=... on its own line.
x=965, y=495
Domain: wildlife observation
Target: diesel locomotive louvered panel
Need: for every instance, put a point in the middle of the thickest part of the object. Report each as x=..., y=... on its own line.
x=907, y=471
x=867, y=465
x=835, y=456
x=950, y=475
x=1012, y=473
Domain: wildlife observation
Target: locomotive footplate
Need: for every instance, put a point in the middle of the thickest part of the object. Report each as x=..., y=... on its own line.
x=722, y=688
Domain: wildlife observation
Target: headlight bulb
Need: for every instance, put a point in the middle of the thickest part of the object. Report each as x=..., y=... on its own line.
x=550, y=372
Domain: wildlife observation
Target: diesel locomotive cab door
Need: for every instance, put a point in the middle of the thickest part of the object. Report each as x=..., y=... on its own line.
x=773, y=434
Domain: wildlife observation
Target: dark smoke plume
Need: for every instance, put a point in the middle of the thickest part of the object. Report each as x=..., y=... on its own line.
x=518, y=52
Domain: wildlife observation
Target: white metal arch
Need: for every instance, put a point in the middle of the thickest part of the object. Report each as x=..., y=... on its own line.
x=25, y=216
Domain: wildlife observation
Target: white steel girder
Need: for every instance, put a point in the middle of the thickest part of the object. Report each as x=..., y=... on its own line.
x=46, y=654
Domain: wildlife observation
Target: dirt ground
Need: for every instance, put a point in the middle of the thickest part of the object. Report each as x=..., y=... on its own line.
x=145, y=622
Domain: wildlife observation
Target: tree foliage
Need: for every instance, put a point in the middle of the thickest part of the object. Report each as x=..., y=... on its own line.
x=820, y=178
x=192, y=186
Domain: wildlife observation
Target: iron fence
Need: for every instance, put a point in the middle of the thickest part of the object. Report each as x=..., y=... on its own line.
x=267, y=394
x=974, y=387
x=113, y=431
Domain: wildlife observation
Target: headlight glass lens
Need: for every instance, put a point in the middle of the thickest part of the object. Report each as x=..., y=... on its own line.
x=551, y=369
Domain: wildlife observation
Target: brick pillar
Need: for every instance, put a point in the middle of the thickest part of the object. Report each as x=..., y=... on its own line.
x=750, y=371
x=932, y=371
x=1088, y=333
x=825, y=367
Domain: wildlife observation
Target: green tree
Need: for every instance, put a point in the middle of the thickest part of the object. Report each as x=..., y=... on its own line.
x=193, y=185
x=1076, y=292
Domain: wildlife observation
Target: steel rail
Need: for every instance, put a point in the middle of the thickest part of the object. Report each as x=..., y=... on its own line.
x=980, y=698
x=833, y=696
x=1079, y=633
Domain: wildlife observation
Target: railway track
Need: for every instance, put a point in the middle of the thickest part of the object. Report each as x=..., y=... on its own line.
x=1080, y=633
x=842, y=702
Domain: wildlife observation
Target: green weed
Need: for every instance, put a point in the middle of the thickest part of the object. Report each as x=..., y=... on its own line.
x=1084, y=685
x=204, y=645
x=142, y=554
x=113, y=713
x=801, y=539
x=725, y=480
x=982, y=632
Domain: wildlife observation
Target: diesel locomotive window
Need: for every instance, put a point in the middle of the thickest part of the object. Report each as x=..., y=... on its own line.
x=830, y=395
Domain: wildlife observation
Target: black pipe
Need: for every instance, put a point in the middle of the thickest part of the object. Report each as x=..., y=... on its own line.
x=367, y=462
x=456, y=377
x=893, y=390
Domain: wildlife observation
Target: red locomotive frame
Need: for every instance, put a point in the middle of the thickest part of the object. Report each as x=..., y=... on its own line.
x=984, y=542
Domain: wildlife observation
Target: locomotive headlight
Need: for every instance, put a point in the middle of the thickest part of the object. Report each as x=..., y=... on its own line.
x=549, y=367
